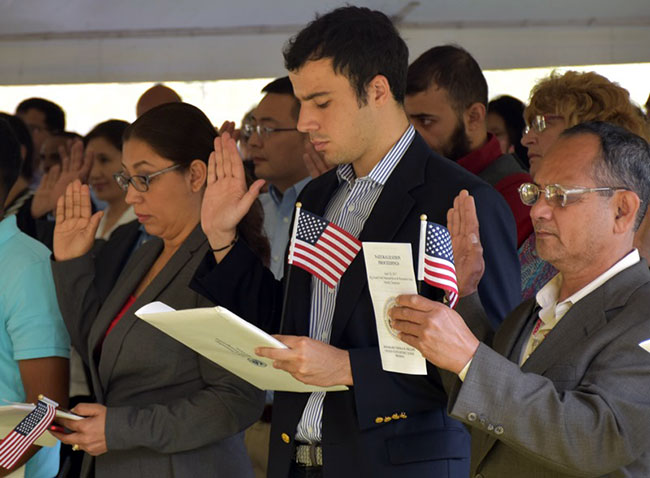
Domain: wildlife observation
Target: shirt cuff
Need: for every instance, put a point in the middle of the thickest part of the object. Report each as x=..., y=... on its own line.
x=463, y=372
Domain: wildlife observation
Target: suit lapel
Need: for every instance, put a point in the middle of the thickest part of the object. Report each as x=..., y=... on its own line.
x=585, y=318
x=385, y=221
x=113, y=342
x=125, y=285
x=581, y=321
x=513, y=327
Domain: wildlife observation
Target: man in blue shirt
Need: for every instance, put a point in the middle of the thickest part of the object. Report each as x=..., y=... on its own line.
x=276, y=148
x=34, y=345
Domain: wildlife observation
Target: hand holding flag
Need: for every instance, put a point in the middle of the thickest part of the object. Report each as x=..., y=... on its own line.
x=436, y=259
x=27, y=432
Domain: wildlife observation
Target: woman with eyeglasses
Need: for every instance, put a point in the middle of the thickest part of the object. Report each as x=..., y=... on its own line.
x=557, y=103
x=162, y=409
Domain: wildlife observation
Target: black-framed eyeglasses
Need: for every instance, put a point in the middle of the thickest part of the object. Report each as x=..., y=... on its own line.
x=558, y=195
x=140, y=182
x=539, y=123
x=263, y=131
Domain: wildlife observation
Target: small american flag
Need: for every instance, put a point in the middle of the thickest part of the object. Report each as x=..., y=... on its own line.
x=321, y=248
x=436, y=259
x=26, y=433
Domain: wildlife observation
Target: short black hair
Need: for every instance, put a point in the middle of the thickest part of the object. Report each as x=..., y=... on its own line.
x=512, y=112
x=283, y=86
x=624, y=160
x=111, y=130
x=54, y=115
x=24, y=138
x=68, y=135
x=452, y=68
x=10, y=160
x=361, y=43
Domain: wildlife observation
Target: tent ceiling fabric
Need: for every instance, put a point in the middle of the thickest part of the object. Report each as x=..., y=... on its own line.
x=81, y=41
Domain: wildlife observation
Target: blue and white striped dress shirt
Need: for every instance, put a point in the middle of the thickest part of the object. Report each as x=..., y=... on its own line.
x=349, y=208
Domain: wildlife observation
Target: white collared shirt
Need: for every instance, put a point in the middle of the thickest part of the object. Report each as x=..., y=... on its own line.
x=551, y=311
x=547, y=298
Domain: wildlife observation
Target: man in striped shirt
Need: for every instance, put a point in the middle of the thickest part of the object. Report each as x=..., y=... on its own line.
x=348, y=70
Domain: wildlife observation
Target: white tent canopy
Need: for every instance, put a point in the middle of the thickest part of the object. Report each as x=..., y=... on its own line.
x=94, y=41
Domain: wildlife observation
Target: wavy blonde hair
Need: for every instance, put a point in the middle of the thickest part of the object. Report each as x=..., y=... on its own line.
x=588, y=96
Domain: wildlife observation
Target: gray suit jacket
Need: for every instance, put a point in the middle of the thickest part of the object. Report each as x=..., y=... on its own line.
x=170, y=412
x=580, y=405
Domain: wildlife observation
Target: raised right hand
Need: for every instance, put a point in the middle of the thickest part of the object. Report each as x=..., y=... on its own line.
x=227, y=198
x=462, y=223
x=74, y=232
x=74, y=165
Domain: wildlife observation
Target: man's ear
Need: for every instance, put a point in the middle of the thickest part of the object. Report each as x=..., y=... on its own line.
x=378, y=90
x=627, y=204
x=198, y=174
x=474, y=117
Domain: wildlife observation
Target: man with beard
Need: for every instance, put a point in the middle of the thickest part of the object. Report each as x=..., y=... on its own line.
x=446, y=100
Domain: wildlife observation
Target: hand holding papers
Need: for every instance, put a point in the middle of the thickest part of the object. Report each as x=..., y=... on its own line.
x=228, y=340
x=390, y=273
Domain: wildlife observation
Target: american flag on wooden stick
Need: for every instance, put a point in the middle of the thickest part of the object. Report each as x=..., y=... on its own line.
x=436, y=259
x=27, y=432
x=321, y=247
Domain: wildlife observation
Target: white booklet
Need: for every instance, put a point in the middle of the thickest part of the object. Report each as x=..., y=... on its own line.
x=228, y=340
x=13, y=413
x=389, y=267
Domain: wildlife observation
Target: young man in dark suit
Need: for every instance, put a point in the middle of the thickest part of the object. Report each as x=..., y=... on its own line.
x=348, y=69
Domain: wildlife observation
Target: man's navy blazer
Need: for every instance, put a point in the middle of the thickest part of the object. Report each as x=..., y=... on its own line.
x=387, y=423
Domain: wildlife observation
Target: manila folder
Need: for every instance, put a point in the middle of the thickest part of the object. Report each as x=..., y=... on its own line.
x=228, y=340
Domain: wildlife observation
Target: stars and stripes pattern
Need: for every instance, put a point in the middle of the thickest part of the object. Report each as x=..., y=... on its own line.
x=436, y=259
x=27, y=432
x=321, y=247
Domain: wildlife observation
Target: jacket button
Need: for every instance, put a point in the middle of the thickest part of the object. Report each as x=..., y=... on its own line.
x=402, y=415
x=498, y=430
x=490, y=427
x=387, y=419
x=395, y=416
x=285, y=438
x=379, y=420
x=471, y=416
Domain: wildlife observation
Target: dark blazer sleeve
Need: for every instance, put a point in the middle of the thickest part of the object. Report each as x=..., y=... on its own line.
x=248, y=288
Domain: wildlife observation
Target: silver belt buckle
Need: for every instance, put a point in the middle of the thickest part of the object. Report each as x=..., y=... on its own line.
x=309, y=455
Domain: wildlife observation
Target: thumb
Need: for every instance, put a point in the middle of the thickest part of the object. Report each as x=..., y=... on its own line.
x=252, y=193
x=85, y=409
x=94, y=220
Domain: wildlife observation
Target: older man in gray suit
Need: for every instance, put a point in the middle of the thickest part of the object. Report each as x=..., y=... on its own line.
x=565, y=389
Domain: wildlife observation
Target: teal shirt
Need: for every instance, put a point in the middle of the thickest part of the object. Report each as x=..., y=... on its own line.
x=31, y=324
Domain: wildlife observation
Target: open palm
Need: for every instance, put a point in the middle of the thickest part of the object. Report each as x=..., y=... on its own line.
x=227, y=198
x=74, y=232
x=463, y=226
x=74, y=165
